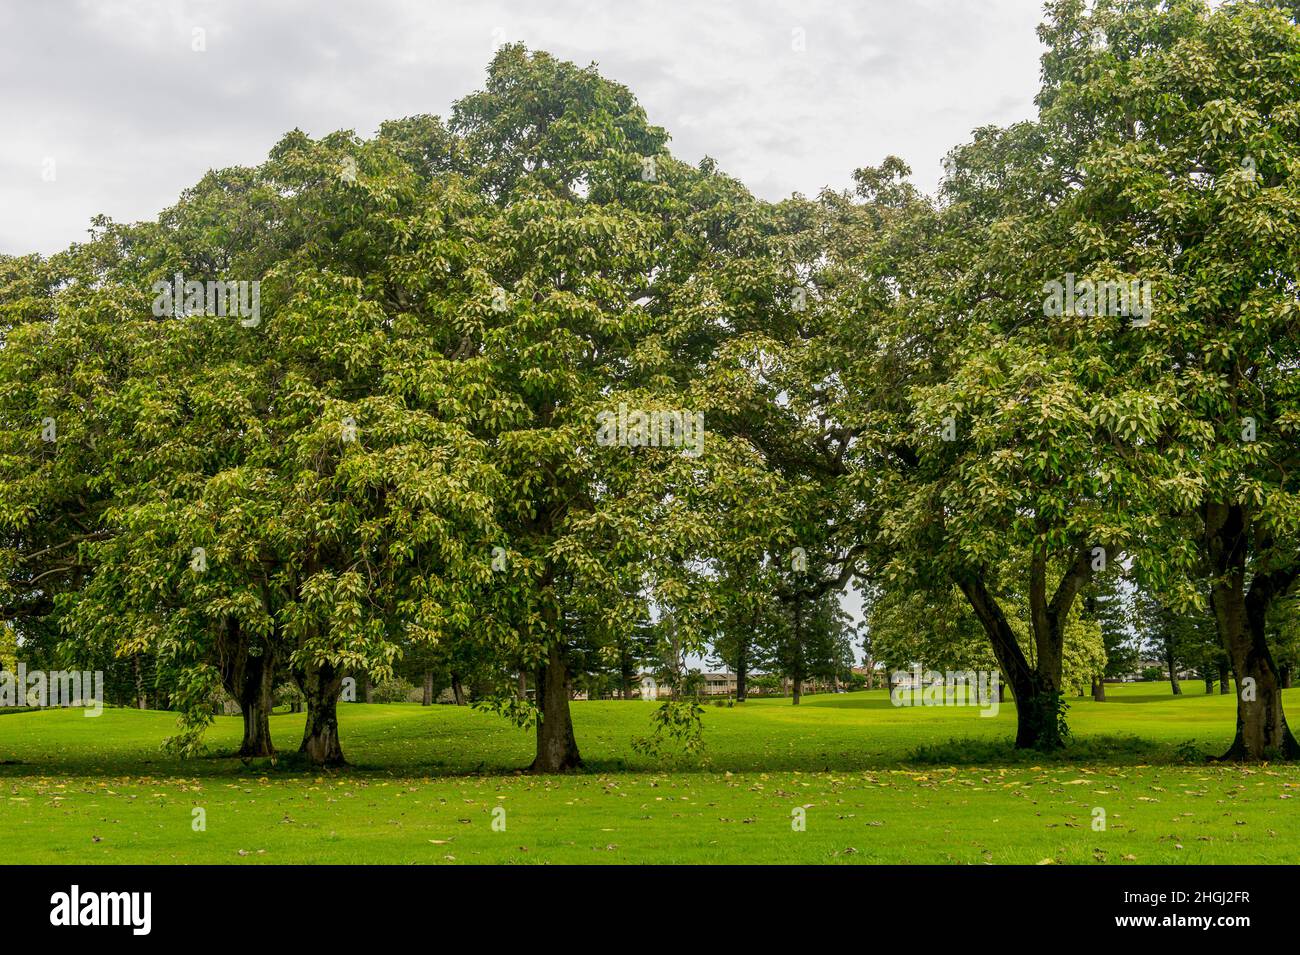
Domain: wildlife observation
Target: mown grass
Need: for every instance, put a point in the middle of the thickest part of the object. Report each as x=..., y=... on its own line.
x=875, y=783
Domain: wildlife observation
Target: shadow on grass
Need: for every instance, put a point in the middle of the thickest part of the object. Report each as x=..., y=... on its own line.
x=1116, y=750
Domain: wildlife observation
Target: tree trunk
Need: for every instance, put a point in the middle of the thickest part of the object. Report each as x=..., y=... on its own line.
x=141, y=703
x=1099, y=689
x=1011, y=659
x=427, y=698
x=1286, y=677
x=458, y=689
x=321, y=685
x=1047, y=617
x=1209, y=683
x=557, y=748
x=368, y=689
x=1173, y=669
x=796, y=678
x=1224, y=687
x=1262, y=731
x=523, y=685
x=249, y=679
x=256, y=700
x=742, y=673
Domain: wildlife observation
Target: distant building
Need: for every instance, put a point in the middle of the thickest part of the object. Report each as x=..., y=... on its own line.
x=711, y=684
x=718, y=684
x=723, y=684
x=874, y=675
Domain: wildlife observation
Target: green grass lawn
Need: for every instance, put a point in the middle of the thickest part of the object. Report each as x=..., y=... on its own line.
x=876, y=783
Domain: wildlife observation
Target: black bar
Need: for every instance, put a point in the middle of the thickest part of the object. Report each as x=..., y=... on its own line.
x=340, y=903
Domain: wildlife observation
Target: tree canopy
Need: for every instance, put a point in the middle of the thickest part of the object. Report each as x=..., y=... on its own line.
x=518, y=393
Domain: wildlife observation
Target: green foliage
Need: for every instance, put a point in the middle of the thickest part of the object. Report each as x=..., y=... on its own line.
x=398, y=468
x=516, y=711
x=8, y=648
x=679, y=722
x=396, y=690
x=1047, y=712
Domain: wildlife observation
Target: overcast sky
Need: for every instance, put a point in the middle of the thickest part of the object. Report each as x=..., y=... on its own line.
x=107, y=108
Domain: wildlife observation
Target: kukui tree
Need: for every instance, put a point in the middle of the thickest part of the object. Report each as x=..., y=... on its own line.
x=1178, y=129
x=938, y=630
x=933, y=630
x=63, y=447
x=520, y=391
x=288, y=503
x=592, y=299
x=388, y=503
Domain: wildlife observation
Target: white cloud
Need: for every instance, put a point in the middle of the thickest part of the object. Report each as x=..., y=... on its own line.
x=132, y=114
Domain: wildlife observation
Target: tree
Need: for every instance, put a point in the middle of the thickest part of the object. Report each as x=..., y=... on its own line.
x=1284, y=636
x=1177, y=129
x=592, y=302
x=933, y=629
x=64, y=356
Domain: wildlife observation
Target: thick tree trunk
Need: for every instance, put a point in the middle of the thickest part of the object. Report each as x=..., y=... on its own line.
x=1286, y=677
x=557, y=748
x=1209, y=683
x=250, y=680
x=321, y=685
x=368, y=689
x=1262, y=731
x=427, y=698
x=458, y=690
x=1224, y=687
x=522, y=688
x=1099, y=689
x=256, y=700
x=796, y=691
x=1011, y=659
x=1047, y=617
